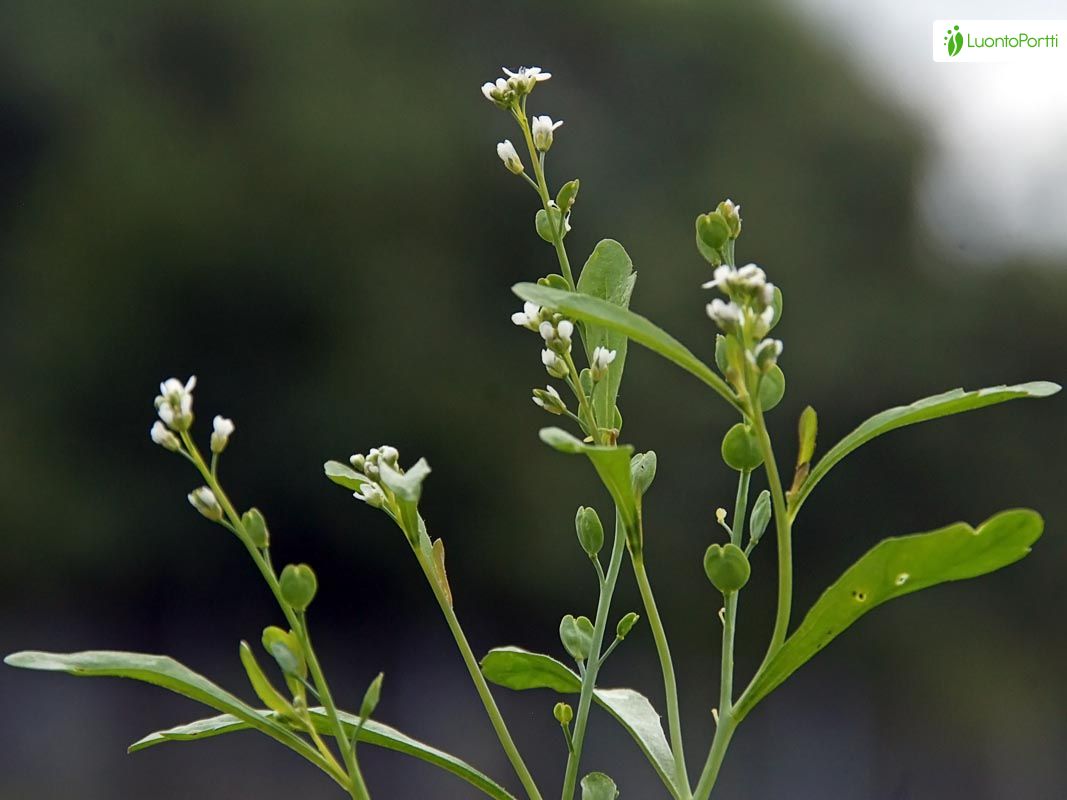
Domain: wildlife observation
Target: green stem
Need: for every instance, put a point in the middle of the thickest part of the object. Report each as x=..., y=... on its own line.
x=546, y=198
x=670, y=686
x=607, y=590
x=357, y=788
x=480, y=685
x=726, y=724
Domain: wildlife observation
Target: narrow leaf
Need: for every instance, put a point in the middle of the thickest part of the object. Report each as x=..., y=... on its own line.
x=344, y=475
x=167, y=673
x=641, y=330
x=941, y=405
x=372, y=733
x=893, y=568
x=609, y=276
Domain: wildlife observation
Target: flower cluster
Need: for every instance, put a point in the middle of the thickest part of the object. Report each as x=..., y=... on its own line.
x=557, y=333
x=174, y=403
x=505, y=92
x=748, y=311
x=371, y=492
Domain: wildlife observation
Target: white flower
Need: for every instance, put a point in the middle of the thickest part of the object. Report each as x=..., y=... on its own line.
x=510, y=157
x=175, y=403
x=543, y=129
x=549, y=399
x=555, y=365
x=730, y=207
x=602, y=358
x=763, y=322
x=721, y=277
x=767, y=352
x=204, y=501
x=220, y=435
x=371, y=494
x=529, y=317
x=557, y=336
x=523, y=81
x=726, y=315
x=499, y=92
x=163, y=436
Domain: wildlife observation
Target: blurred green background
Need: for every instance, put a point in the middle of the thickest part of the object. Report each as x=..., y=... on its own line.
x=301, y=204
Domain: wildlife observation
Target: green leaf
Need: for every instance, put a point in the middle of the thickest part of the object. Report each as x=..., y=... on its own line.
x=613, y=466
x=600, y=312
x=372, y=733
x=515, y=668
x=598, y=786
x=807, y=429
x=344, y=475
x=408, y=490
x=609, y=276
x=169, y=674
x=892, y=568
x=264, y=689
x=940, y=405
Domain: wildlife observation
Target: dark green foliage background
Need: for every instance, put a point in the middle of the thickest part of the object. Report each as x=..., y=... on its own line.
x=300, y=203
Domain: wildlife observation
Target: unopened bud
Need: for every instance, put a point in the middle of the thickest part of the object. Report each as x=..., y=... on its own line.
x=563, y=713
x=590, y=530
x=204, y=501
x=222, y=429
x=371, y=696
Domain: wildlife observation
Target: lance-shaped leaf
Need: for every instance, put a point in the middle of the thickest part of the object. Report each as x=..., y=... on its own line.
x=896, y=567
x=344, y=475
x=516, y=668
x=372, y=733
x=167, y=673
x=940, y=405
x=613, y=466
x=608, y=275
x=600, y=312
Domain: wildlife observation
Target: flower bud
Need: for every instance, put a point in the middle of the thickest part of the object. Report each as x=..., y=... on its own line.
x=731, y=213
x=567, y=195
x=626, y=625
x=371, y=494
x=727, y=567
x=222, y=428
x=175, y=403
x=256, y=528
x=510, y=157
x=163, y=436
x=204, y=501
x=555, y=365
x=590, y=530
x=298, y=586
x=767, y=353
x=602, y=359
x=543, y=129
x=499, y=93
x=549, y=399
x=563, y=713
x=371, y=696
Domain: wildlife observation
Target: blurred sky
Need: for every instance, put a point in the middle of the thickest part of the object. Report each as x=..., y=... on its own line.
x=995, y=174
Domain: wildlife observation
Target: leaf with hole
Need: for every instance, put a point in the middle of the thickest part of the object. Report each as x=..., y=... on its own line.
x=893, y=568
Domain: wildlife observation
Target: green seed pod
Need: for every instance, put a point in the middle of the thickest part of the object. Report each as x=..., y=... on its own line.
x=590, y=530
x=577, y=636
x=626, y=625
x=772, y=388
x=727, y=567
x=563, y=713
x=567, y=195
x=547, y=223
x=760, y=517
x=740, y=448
x=256, y=528
x=371, y=697
x=286, y=650
x=713, y=233
x=554, y=281
x=298, y=584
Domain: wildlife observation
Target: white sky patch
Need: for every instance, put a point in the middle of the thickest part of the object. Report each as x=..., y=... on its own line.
x=996, y=184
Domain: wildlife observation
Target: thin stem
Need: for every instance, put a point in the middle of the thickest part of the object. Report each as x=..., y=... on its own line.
x=546, y=198
x=726, y=723
x=581, y=719
x=584, y=406
x=480, y=685
x=357, y=788
x=670, y=686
